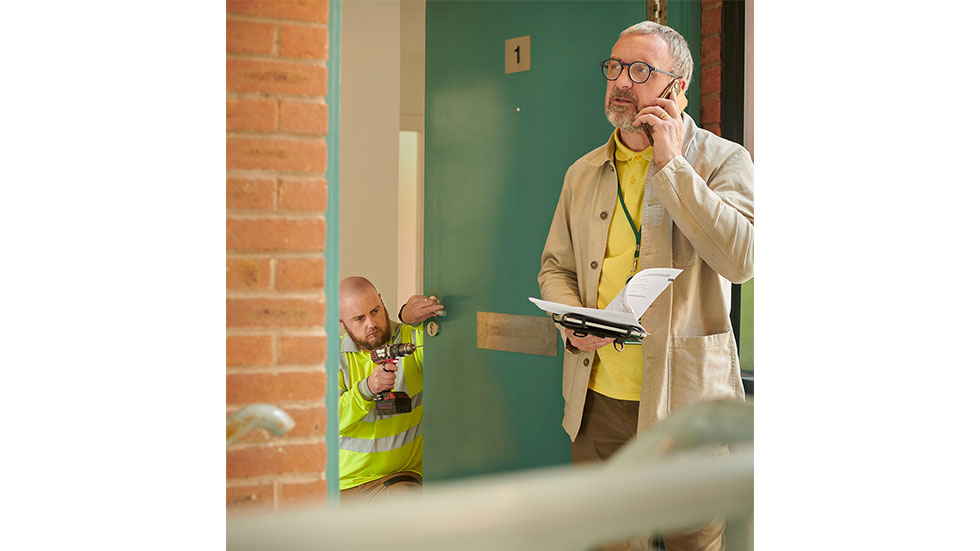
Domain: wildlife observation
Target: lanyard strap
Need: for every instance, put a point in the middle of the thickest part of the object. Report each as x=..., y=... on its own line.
x=636, y=232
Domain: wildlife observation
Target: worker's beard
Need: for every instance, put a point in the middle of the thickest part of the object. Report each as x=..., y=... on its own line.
x=621, y=116
x=379, y=339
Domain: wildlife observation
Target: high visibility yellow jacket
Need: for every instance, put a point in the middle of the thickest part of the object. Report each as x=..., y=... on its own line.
x=374, y=445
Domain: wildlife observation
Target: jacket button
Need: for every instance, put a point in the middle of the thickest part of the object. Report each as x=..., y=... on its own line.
x=594, y=264
x=603, y=215
x=586, y=362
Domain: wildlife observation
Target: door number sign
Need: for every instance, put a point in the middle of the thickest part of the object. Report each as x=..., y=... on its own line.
x=517, y=54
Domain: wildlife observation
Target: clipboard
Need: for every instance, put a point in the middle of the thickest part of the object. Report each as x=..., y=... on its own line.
x=583, y=325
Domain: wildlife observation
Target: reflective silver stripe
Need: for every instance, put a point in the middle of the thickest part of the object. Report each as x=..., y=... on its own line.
x=344, y=370
x=372, y=414
x=378, y=445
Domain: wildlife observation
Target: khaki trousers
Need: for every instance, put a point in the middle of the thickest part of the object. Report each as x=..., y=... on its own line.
x=393, y=484
x=608, y=424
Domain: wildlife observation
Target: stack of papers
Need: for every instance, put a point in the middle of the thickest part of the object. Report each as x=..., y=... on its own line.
x=622, y=314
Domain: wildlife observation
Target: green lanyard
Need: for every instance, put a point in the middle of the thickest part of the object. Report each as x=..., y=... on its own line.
x=636, y=232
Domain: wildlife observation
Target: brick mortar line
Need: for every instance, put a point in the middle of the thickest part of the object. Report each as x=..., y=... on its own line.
x=240, y=370
x=267, y=328
x=294, y=179
x=274, y=369
x=294, y=404
x=316, y=100
x=311, y=62
x=310, y=138
x=278, y=133
x=265, y=95
x=276, y=34
x=273, y=294
x=277, y=442
x=710, y=35
x=270, y=334
x=278, y=215
x=317, y=438
x=273, y=267
x=294, y=255
x=272, y=173
x=276, y=190
x=710, y=65
x=274, y=213
x=269, y=19
x=274, y=331
x=268, y=479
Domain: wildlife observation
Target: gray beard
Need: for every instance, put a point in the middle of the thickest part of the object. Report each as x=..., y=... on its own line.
x=621, y=118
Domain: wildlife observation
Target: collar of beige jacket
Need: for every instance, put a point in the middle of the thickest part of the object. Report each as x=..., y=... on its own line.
x=606, y=154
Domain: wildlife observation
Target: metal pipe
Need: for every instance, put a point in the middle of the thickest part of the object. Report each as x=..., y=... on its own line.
x=257, y=416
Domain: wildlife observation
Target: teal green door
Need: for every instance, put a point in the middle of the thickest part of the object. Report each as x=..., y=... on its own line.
x=496, y=149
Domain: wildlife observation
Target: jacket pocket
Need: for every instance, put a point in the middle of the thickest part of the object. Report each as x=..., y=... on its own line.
x=702, y=369
x=682, y=252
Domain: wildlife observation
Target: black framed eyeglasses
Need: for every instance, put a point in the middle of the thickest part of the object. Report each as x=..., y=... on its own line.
x=638, y=71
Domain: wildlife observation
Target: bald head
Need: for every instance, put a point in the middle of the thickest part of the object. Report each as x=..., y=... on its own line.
x=362, y=313
x=356, y=285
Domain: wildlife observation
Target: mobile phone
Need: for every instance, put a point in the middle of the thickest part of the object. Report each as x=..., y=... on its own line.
x=674, y=86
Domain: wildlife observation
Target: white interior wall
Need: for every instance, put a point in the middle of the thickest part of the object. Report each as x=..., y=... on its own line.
x=369, y=119
x=412, y=126
x=408, y=206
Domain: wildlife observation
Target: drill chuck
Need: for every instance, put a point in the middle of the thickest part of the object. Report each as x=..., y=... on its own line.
x=390, y=352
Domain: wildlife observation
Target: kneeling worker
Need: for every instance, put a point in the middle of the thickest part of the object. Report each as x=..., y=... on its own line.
x=379, y=454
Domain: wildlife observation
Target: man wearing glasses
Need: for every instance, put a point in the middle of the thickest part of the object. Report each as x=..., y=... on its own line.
x=660, y=192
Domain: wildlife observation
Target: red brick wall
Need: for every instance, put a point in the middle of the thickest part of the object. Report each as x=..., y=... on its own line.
x=276, y=194
x=711, y=66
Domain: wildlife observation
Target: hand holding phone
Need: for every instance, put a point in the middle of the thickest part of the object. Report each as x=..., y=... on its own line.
x=675, y=87
x=663, y=117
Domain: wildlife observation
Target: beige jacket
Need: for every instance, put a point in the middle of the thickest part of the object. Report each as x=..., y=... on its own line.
x=697, y=215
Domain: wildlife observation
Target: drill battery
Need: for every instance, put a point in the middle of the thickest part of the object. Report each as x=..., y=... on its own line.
x=393, y=402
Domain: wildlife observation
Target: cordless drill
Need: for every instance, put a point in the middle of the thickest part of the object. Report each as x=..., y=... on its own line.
x=392, y=402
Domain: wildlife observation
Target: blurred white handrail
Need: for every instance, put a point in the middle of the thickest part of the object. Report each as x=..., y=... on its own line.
x=257, y=416
x=560, y=508
x=699, y=425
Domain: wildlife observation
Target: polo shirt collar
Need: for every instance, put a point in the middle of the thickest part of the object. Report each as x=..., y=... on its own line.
x=625, y=154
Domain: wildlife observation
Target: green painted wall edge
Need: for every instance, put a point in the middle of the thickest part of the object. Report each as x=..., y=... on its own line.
x=331, y=252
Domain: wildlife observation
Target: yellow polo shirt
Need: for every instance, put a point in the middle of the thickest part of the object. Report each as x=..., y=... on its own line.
x=619, y=374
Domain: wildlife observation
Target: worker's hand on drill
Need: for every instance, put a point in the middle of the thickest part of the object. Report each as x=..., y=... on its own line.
x=419, y=308
x=380, y=380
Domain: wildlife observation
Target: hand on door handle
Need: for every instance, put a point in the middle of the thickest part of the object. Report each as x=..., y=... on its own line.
x=419, y=308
